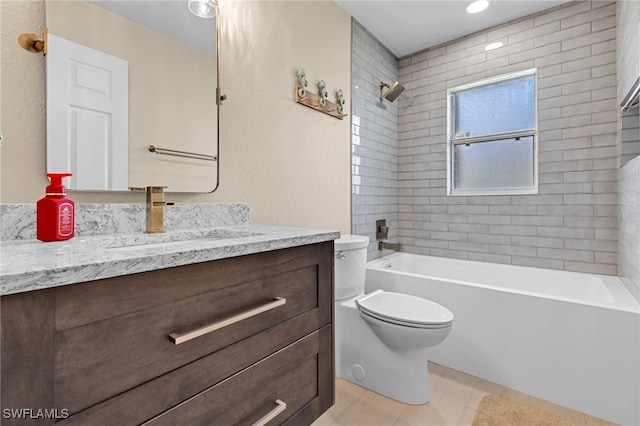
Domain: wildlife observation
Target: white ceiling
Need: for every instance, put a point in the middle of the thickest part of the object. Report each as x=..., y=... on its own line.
x=406, y=27
x=168, y=17
x=403, y=26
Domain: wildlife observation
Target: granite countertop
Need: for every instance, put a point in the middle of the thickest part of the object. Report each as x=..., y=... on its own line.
x=32, y=265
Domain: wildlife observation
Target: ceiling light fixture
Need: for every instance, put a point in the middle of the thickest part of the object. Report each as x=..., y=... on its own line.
x=492, y=46
x=477, y=6
x=203, y=8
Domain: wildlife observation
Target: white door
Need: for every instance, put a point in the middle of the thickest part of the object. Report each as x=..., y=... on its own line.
x=87, y=116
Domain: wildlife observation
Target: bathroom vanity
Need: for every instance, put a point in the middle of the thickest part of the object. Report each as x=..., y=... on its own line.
x=241, y=333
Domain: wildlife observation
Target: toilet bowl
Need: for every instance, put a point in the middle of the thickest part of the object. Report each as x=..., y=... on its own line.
x=381, y=337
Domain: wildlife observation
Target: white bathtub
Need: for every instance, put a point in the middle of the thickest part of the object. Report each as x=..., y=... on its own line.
x=569, y=338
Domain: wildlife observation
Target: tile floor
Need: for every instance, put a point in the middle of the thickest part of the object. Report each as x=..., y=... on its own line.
x=455, y=396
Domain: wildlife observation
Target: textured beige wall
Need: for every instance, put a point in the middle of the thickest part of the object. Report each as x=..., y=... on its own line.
x=22, y=153
x=290, y=163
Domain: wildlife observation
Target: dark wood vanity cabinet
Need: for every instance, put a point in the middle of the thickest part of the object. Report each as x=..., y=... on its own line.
x=100, y=353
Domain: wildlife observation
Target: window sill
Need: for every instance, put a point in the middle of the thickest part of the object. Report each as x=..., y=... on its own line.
x=491, y=192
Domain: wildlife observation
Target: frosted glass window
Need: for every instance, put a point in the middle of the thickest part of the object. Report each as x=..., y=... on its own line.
x=493, y=136
x=506, y=163
x=502, y=107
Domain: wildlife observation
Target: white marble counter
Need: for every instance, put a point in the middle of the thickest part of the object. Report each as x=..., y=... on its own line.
x=27, y=265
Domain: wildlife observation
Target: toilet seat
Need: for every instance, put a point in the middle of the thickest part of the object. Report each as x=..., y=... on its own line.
x=404, y=309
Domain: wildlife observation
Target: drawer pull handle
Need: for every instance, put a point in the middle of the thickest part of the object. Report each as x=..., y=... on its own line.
x=177, y=338
x=279, y=408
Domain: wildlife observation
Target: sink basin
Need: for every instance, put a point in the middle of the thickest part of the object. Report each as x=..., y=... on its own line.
x=132, y=247
x=168, y=239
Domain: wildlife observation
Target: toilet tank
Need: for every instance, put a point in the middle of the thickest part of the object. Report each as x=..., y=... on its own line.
x=350, y=265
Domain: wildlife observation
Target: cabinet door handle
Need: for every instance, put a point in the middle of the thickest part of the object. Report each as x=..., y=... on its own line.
x=178, y=338
x=279, y=408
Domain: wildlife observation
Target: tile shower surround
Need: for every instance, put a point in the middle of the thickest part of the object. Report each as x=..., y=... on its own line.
x=374, y=139
x=572, y=223
x=629, y=232
x=628, y=43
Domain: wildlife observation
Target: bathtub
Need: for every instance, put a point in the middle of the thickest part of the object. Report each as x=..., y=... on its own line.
x=569, y=338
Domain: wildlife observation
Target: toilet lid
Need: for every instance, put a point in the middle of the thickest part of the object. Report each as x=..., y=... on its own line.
x=404, y=309
x=351, y=242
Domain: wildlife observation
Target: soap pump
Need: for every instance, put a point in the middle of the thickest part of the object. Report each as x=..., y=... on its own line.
x=55, y=215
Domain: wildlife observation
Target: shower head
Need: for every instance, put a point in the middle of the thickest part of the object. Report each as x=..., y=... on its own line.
x=392, y=92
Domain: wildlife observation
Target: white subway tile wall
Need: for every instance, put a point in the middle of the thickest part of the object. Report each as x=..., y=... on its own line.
x=628, y=40
x=628, y=45
x=374, y=139
x=572, y=223
x=629, y=218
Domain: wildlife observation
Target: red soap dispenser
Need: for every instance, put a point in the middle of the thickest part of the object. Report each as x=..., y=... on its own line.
x=55, y=215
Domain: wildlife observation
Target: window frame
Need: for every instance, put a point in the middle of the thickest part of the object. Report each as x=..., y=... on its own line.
x=452, y=141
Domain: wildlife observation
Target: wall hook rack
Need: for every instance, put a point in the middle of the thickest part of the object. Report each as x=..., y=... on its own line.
x=320, y=101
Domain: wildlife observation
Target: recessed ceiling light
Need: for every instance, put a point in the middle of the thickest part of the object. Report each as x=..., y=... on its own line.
x=477, y=6
x=203, y=8
x=492, y=46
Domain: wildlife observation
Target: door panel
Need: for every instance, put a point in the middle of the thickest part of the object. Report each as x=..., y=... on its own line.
x=87, y=108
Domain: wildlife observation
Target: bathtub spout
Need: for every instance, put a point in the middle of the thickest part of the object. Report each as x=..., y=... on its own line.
x=383, y=245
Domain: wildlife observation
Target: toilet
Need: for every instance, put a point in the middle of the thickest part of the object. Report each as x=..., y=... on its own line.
x=382, y=336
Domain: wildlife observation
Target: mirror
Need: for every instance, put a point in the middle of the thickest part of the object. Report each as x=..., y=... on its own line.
x=124, y=75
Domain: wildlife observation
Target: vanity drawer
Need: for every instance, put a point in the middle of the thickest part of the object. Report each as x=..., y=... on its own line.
x=281, y=384
x=162, y=393
x=99, y=356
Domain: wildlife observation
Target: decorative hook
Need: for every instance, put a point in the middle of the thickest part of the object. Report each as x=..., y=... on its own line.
x=302, y=77
x=318, y=102
x=34, y=43
x=341, y=101
x=323, y=93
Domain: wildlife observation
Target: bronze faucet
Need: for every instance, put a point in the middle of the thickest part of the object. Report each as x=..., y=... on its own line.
x=382, y=245
x=382, y=233
x=155, y=209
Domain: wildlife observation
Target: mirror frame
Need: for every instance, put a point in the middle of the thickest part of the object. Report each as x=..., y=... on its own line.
x=219, y=96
